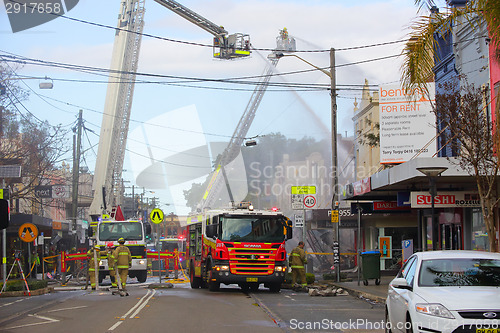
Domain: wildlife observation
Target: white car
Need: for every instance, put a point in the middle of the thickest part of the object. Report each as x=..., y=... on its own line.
x=446, y=291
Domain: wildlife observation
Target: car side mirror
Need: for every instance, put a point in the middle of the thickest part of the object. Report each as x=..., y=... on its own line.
x=401, y=283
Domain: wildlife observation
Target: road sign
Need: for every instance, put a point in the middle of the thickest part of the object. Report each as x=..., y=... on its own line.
x=309, y=201
x=156, y=215
x=297, y=201
x=335, y=216
x=299, y=221
x=28, y=232
x=303, y=189
x=336, y=252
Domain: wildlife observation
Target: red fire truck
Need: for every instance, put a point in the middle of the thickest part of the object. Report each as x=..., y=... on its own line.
x=238, y=246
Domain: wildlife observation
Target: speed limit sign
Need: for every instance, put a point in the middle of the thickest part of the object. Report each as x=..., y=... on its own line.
x=309, y=201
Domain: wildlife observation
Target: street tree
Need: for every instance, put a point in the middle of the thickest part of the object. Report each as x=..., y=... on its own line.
x=462, y=112
x=28, y=141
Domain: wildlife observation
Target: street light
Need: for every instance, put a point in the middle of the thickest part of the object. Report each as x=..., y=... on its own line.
x=333, y=95
x=432, y=173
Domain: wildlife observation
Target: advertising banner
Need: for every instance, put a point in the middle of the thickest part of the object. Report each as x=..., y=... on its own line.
x=406, y=126
x=445, y=199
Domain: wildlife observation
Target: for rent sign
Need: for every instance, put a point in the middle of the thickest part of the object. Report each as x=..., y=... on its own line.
x=406, y=126
x=445, y=199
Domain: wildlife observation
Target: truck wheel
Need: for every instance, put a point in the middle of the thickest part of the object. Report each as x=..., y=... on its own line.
x=195, y=281
x=141, y=276
x=102, y=275
x=275, y=287
x=212, y=285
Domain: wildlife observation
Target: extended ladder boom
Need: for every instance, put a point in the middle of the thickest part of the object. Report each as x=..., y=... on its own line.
x=225, y=46
x=284, y=43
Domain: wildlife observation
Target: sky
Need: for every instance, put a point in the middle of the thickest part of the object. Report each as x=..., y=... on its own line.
x=213, y=111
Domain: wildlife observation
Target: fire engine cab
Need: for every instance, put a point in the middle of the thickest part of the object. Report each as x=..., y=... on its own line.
x=238, y=245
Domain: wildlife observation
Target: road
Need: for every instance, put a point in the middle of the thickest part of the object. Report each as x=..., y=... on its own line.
x=185, y=310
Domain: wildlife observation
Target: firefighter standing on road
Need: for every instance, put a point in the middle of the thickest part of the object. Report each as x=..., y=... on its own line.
x=92, y=264
x=297, y=260
x=123, y=261
x=111, y=265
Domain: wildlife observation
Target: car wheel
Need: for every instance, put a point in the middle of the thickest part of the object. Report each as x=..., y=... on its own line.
x=387, y=322
x=408, y=324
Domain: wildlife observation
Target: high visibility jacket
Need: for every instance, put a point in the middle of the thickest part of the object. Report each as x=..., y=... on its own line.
x=90, y=258
x=122, y=256
x=111, y=259
x=297, y=258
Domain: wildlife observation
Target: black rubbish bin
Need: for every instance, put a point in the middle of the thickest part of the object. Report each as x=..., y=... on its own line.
x=370, y=266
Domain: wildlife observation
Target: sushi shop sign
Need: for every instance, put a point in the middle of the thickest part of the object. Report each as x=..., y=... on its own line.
x=445, y=199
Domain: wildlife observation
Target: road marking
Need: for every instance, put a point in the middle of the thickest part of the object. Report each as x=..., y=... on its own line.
x=72, y=308
x=143, y=305
x=293, y=299
x=7, y=304
x=137, y=307
x=47, y=321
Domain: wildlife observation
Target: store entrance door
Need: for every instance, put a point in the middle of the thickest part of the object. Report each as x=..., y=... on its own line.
x=450, y=236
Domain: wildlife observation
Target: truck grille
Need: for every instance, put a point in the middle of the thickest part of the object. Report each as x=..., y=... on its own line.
x=137, y=251
x=252, y=261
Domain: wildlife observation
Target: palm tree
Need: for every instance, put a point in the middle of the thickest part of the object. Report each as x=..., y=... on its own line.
x=421, y=48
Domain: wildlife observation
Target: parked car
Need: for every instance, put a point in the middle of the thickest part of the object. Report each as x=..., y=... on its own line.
x=446, y=291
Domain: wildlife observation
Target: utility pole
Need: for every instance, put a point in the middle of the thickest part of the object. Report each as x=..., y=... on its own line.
x=335, y=183
x=76, y=172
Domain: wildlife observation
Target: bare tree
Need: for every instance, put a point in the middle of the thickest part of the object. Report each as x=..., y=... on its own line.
x=463, y=111
x=27, y=140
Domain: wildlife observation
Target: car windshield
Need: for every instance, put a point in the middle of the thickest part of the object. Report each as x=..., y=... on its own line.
x=252, y=229
x=460, y=272
x=113, y=231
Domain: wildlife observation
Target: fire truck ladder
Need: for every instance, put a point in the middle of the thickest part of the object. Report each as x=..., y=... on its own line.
x=225, y=46
x=219, y=178
x=117, y=107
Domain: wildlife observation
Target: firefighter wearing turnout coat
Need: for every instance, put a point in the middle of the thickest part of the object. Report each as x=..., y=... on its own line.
x=111, y=265
x=297, y=260
x=92, y=264
x=123, y=260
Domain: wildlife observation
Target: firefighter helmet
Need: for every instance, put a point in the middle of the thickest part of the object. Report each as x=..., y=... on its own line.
x=121, y=240
x=96, y=247
x=109, y=245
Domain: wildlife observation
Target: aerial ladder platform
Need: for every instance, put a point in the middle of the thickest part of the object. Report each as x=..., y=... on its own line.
x=107, y=186
x=219, y=180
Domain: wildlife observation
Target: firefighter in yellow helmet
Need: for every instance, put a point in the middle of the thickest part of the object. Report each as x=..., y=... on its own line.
x=297, y=260
x=111, y=264
x=91, y=264
x=123, y=261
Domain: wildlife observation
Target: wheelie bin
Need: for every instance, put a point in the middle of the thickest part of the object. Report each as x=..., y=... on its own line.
x=370, y=266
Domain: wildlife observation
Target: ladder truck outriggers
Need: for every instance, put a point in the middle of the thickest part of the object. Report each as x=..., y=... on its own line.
x=238, y=245
x=107, y=185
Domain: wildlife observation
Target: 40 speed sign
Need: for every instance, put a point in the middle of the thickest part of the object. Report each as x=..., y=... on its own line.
x=309, y=201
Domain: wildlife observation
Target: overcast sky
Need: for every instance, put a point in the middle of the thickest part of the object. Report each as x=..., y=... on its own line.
x=317, y=26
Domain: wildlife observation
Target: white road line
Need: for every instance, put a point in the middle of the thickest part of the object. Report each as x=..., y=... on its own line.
x=7, y=304
x=137, y=307
x=143, y=305
x=72, y=308
x=47, y=321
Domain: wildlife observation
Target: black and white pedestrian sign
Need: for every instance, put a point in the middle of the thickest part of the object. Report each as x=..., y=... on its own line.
x=309, y=201
x=299, y=221
x=336, y=253
x=156, y=216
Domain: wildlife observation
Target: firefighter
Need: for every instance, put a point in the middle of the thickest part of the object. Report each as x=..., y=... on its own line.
x=111, y=265
x=91, y=264
x=123, y=261
x=297, y=260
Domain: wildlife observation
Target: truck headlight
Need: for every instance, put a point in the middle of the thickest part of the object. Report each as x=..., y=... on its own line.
x=141, y=262
x=223, y=268
x=279, y=268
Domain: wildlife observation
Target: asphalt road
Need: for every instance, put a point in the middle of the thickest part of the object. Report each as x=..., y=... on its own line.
x=182, y=309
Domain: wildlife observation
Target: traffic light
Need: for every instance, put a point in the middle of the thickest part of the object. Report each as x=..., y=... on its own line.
x=4, y=214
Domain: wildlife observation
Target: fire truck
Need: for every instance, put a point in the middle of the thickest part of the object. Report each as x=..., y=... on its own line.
x=134, y=234
x=238, y=245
